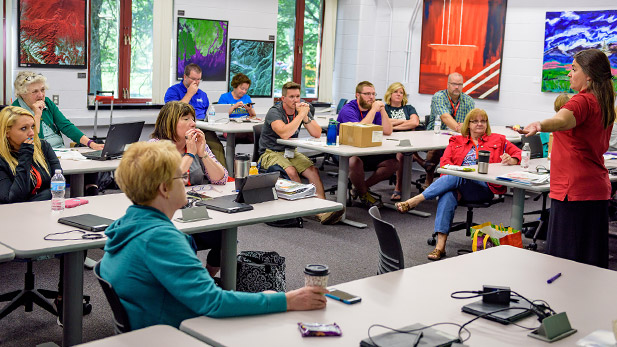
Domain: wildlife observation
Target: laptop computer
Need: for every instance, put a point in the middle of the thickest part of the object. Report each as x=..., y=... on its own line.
x=226, y=203
x=118, y=136
x=87, y=221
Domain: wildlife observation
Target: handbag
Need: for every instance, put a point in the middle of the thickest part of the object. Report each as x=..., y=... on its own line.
x=487, y=235
x=259, y=271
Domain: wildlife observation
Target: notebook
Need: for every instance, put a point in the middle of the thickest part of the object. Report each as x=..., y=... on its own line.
x=118, y=136
x=87, y=221
x=519, y=311
x=226, y=203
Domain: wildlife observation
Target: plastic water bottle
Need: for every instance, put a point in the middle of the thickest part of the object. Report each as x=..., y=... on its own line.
x=58, y=184
x=437, y=125
x=525, y=156
x=211, y=114
x=331, y=134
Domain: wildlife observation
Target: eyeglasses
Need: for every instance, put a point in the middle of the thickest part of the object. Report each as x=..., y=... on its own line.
x=455, y=84
x=476, y=121
x=204, y=187
x=542, y=170
x=193, y=79
x=369, y=94
x=185, y=176
x=33, y=76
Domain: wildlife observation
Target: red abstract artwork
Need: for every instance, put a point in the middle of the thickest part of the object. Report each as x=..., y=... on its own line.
x=52, y=33
x=464, y=36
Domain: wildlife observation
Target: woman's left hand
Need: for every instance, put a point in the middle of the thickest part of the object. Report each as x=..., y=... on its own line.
x=506, y=159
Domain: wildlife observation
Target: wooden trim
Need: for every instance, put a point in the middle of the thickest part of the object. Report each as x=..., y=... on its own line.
x=299, y=41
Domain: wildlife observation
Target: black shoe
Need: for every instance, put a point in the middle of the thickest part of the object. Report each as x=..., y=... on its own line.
x=87, y=308
x=92, y=190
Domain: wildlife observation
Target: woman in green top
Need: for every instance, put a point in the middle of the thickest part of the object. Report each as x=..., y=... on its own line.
x=49, y=122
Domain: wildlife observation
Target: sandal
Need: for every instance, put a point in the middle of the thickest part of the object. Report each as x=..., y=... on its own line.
x=436, y=254
x=396, y=196
x=403, y=207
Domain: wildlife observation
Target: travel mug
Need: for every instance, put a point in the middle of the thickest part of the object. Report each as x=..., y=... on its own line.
x=483, y=158
x=242, y=165
x=316, y=275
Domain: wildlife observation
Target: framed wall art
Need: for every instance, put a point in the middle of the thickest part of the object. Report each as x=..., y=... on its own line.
x=203, y=42
x=256, y=60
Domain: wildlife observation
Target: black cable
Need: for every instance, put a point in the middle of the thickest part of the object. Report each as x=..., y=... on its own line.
x=414, y=330
x=84, y=236
x=539, y=309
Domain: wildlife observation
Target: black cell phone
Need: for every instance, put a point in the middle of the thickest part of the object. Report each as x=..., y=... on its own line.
x=340, y=295
x=250, y=103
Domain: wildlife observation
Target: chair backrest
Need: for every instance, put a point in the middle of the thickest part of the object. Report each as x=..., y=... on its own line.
x=121, y=318
x=256, y=135
x=341, y=103
x=535, y=144
x=390, y=250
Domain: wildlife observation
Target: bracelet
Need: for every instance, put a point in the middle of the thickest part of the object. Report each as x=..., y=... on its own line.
x=89, y=142
x=190, y=155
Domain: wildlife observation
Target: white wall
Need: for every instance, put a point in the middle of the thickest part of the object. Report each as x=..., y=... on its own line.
x=521, y=101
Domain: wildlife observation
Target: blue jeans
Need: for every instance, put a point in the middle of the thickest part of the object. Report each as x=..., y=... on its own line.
x=446, y=188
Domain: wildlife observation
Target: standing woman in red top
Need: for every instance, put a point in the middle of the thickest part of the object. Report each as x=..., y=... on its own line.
x=580, y=188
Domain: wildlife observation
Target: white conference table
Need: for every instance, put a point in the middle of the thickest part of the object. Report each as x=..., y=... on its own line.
x=77, y=168
x=232, y=128
x=6, y=254
x=421, y=294
x=420, y=141
x=153, y=336
x=28, y=243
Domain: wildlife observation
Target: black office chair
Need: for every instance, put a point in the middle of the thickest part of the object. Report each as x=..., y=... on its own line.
x=120, y=317
x=340, y=105
x=257, y=128
x=390, y=250
x=468, y=223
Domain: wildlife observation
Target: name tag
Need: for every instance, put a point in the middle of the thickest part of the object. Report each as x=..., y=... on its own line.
x=289, y=153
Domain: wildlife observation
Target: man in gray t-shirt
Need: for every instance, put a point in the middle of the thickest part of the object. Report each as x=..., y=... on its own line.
x=283, y=121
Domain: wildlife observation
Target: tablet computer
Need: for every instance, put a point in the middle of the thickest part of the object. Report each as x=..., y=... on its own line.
x=87, y=221
x=226, y=203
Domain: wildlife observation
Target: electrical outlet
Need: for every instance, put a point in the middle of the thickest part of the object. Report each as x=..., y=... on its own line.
x=56, y=99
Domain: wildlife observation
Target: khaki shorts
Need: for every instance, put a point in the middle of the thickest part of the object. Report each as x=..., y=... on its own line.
x=300, y=161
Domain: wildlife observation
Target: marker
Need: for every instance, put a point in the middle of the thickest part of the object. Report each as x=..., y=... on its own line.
x=552, y=279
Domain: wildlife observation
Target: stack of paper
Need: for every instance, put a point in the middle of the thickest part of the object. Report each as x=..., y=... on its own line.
x=525, y=177
x=290, y=190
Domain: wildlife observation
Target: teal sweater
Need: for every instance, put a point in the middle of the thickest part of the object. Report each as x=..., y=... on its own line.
x=160, y=280
x=57, y=121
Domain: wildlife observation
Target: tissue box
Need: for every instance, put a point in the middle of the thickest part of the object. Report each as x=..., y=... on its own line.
x=360, y=135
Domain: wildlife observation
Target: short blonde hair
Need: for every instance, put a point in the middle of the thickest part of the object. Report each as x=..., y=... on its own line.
x=26, y=78
x=561, y=100
x=474, y=113
x=8, y=117
x=144, y=166
x=167, y=120
x=391, y=89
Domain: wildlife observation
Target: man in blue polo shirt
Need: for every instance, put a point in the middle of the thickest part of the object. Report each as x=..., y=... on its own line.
x=188, y=92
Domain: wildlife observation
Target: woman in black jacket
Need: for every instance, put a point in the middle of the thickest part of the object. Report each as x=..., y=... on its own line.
x=26, y=162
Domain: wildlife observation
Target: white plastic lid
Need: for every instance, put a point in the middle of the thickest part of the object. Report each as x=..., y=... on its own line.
x=58, y=171
x=253, y=163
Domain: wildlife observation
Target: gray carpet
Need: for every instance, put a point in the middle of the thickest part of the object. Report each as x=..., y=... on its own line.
x=350, y=253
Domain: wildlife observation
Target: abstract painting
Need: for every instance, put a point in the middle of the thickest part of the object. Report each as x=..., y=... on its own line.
x=464, y=36
x=256, y=60
x=52, y=33
x=566, y=33
x=203, y=42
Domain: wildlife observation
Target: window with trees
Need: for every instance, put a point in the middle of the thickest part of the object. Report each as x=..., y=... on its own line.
x=121, y=49
x=298, y=39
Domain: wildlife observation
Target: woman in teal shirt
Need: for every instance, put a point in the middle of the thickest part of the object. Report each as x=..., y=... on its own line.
x=151, y=264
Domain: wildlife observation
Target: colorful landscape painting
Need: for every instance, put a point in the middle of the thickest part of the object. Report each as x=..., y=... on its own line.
x=256, y=60
x=566, y=33
x=203, y=42
x=464, y=36
x=52, y=33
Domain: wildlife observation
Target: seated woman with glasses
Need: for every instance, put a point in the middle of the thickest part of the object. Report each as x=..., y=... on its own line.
x=176, y=123
x=463, y=150
x=151, y=264
x=50, y=123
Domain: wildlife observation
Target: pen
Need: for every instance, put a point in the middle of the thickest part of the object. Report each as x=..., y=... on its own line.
x=552, y=279
x=504, y=147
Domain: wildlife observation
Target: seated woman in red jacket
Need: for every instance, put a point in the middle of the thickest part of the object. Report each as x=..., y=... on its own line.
x=463, y=150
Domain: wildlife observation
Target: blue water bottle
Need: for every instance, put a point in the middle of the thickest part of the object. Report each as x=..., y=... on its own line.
x=331, y=136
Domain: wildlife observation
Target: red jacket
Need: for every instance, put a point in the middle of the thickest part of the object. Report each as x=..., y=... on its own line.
x=495, y=143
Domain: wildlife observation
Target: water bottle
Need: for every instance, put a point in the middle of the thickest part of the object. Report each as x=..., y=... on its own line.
x=437, y=125
x=525, y=156
x=331, y=135
x=58, y=183
x=211, y=114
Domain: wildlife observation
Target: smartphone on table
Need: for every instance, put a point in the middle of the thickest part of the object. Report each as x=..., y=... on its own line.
x=345, y=297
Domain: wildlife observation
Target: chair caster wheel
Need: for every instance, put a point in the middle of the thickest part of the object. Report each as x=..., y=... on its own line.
x=87, y=308
x=431, y=242
x=533, y=247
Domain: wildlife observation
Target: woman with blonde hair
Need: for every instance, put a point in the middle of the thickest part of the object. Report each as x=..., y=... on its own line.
x=403, y=117
x=151, y=264
x=463, y=151
x=27, y=163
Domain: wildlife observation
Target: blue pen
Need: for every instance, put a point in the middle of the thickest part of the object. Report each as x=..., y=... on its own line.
x=552, y=279
x=504, y=147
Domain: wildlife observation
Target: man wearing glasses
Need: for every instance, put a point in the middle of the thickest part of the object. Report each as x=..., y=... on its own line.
x=451, y=105
x=188, y=92
x=368, y=111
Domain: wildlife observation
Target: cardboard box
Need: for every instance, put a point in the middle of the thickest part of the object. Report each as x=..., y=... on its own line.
x=360, y=135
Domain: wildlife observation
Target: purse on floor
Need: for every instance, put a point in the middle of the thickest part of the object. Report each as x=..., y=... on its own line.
x=488, y=235
x=259, y=271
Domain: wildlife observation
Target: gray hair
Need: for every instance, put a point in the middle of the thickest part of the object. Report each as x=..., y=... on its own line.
x=25, y=78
